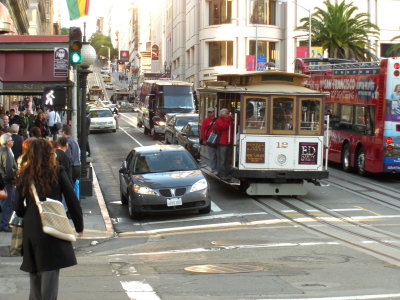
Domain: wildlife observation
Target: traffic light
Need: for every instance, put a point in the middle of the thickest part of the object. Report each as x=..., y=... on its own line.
x=54, y=97
x=75, y=45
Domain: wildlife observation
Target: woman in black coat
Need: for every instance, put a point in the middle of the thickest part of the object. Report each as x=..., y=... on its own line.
x=44, y=255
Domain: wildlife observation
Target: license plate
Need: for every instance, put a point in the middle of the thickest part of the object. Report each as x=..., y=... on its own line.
x=174, y=201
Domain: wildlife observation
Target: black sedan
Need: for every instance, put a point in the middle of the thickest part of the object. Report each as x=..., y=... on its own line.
x=161, y=178
x=175, y=124
x=189, y=138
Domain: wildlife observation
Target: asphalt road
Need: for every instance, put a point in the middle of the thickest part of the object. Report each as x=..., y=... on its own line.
x=340, y=240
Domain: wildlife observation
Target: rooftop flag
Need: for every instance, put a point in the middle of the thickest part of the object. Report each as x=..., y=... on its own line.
x=77, y=8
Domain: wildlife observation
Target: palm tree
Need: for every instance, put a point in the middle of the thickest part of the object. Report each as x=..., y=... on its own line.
x=394, y=49
x=342, y=31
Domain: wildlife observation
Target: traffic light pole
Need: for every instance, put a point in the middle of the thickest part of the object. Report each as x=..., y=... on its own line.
x=74, y=117
x=86, y=178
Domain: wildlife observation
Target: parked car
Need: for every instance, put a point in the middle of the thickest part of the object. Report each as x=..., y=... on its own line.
x=189, y=138
x=176, y=123
x=102, y=119
x=162, y=178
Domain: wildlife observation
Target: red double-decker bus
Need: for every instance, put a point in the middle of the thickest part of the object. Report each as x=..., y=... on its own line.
x=363, y=108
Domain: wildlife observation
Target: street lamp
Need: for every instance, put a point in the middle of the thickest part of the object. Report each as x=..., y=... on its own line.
x=256, y=25
x=88, y=58
x=309, y=23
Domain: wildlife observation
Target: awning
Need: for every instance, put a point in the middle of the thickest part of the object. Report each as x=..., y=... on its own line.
x=6, y=23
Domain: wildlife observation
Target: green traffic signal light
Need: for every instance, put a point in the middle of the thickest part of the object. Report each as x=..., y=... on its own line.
x=76, y=58
x=75, y=45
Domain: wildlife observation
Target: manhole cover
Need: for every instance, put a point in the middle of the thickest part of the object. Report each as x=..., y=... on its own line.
x=223, y=269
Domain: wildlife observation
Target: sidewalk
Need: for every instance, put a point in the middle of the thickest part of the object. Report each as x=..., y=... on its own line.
x=97, y=222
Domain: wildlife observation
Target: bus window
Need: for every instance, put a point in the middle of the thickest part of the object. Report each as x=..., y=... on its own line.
x=346, y=116
x=310, y=115
x=362, y=122
x=255, y=113
x=282, y=114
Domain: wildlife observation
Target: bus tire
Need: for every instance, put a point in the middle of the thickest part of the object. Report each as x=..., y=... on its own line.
x=361, y=162
x=346, y=158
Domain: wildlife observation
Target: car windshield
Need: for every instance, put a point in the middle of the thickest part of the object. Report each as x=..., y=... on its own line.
x=195, y=130
x=164, y=161
x=182, y=121
x=100, y=114
x=177, y=101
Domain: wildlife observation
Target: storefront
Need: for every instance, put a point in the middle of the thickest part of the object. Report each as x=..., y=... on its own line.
x=27, y=67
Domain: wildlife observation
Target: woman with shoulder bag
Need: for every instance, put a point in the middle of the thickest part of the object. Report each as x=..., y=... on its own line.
x=44, y=255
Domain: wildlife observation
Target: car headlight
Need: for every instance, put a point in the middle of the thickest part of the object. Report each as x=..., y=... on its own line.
x=199, y=185
x=144, y=190
x=160, y=123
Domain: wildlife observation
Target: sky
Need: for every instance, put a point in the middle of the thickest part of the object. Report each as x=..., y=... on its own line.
x=97, y=8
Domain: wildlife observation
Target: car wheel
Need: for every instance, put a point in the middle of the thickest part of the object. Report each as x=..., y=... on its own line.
x=146, y=131
x=124, y=200
x=114, y=130
x=361, y=162
x=205, y=210
x=132, y=213
x=346, y=157
x=165, y=139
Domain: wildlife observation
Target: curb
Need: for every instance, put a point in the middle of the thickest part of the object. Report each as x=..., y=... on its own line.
x=103, y=209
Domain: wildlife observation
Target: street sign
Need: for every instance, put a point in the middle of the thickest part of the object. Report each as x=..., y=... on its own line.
x=61, y=62
x=261, y=62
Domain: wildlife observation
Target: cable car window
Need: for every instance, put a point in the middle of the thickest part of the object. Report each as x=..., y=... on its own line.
x=255, y=113
x=282, y=118
x=310, y=117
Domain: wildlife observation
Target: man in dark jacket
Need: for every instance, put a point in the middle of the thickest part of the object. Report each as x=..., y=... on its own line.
x=63, y=159
x=8, y=168
x=14, y=119
x=18, y=140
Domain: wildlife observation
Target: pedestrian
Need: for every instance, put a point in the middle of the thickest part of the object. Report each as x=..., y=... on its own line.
x=23, y=128
x=6, y=122
x=14, y=118
x=8, y=168
x=31, y=119
x=35, y=133
x=18, y=140
x=52, y=119
x=41, y=123
x=63, y=159
x=44, y=255
x=207, y=127
x=73, y=152
x=224, y=127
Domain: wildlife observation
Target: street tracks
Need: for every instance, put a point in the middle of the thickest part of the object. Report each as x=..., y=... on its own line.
x=326, y=222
